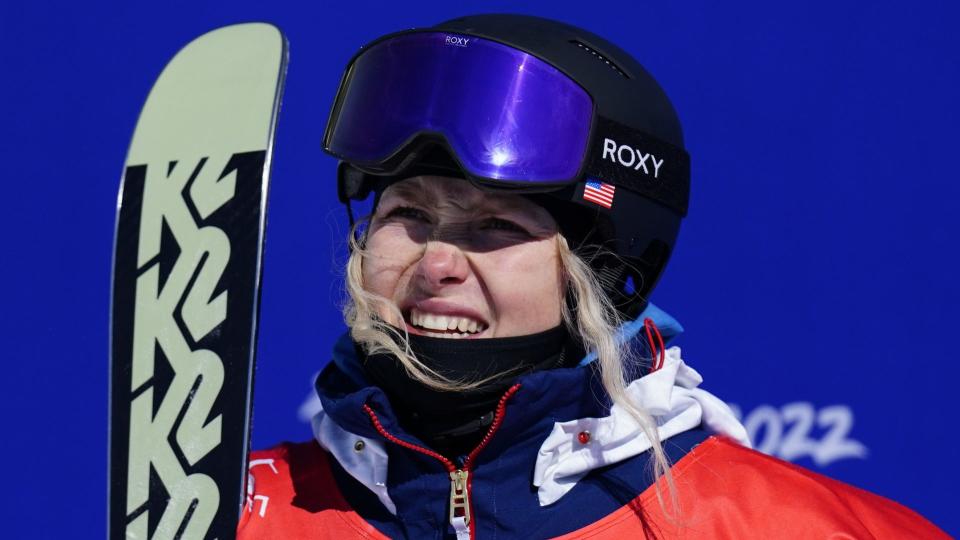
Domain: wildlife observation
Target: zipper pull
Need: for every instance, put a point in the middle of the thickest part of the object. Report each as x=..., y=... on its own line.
x=460, y=503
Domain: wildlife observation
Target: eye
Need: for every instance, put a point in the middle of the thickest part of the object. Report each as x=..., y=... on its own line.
x=498, y=224
x=408, y=212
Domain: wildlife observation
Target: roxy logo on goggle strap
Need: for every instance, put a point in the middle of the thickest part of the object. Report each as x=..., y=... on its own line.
x=630, y=157
x=458, y=41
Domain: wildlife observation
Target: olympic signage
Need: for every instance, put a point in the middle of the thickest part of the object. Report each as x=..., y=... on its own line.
x=799, y=430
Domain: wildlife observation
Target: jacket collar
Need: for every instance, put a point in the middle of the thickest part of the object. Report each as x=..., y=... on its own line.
x=563, y=392
x=545, y=399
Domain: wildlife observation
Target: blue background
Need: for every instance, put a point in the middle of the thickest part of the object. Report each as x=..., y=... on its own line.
x=817, y=263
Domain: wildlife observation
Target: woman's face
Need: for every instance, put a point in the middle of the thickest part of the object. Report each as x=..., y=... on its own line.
x=460, y=262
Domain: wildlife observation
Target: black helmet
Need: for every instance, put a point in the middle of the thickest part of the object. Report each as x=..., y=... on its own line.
x=420, y=101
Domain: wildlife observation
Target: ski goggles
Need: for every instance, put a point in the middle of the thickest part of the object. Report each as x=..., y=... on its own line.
x=508, y=118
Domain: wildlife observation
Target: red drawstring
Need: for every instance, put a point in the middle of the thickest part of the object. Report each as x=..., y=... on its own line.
x=657, y=357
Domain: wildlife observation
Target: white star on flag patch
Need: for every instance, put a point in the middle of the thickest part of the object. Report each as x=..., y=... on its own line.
x=599, y=192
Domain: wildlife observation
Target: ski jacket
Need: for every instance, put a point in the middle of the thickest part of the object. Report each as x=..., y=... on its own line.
x=557, y=462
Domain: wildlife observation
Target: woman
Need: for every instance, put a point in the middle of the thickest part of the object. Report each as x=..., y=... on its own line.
x=504, y=375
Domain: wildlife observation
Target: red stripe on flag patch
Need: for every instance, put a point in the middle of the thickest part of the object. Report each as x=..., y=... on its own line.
x=599, y=193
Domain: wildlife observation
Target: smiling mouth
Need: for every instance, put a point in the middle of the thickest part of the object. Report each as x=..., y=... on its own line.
x=444, y=326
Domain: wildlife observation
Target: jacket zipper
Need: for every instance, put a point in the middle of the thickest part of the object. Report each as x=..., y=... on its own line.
x=460, y=478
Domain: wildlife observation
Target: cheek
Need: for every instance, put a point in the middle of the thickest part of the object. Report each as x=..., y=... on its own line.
x=525, y=288
x=389, y=253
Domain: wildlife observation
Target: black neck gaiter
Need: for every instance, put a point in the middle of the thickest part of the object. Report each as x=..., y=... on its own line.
x=453, y=423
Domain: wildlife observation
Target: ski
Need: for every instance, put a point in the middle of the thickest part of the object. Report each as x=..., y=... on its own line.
x=186, y=284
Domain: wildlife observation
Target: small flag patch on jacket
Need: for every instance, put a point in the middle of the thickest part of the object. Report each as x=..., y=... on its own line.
x=599, y=192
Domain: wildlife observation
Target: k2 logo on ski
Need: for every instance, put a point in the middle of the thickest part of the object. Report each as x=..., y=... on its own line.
x=171, y=316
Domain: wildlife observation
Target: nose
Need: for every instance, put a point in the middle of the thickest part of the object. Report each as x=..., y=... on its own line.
x=443, y=264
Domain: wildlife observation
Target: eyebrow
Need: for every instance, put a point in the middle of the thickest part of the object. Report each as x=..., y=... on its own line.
x=490, y=203
x=414, y=192
x=411, y=191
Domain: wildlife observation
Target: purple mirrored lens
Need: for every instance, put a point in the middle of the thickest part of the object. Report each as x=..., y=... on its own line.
x=506, y=114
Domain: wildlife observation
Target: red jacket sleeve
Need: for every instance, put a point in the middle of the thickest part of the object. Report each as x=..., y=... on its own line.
x=291, y=494
x=728, y=491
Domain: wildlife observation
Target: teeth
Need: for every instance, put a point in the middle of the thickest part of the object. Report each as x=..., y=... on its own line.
x=450, y=327
x=447, y=335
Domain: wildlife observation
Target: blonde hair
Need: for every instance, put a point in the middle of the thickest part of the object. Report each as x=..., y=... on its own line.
x=589, y=314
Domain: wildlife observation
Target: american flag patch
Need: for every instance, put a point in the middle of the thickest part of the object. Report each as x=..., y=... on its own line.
x=599, y=192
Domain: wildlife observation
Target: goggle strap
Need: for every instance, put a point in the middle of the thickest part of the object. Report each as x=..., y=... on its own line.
x=350, y=217
x=644, y=164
